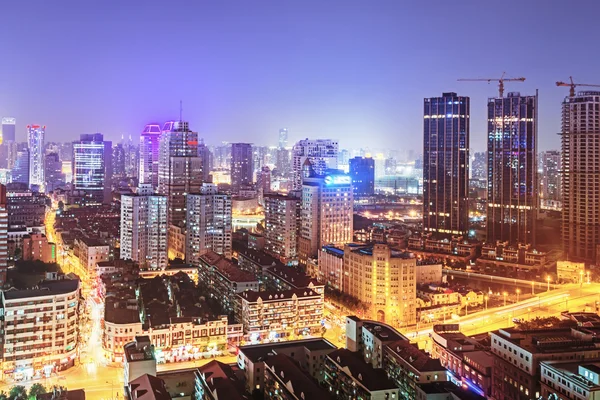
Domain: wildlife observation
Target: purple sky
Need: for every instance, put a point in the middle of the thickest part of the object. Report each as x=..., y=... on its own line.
x=356, y=71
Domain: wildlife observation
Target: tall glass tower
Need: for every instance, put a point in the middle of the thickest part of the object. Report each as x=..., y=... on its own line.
x=92, y=167
x=446, y=165
x=35, y=141
x=512, y=169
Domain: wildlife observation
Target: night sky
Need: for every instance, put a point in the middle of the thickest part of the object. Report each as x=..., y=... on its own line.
x=356, y=71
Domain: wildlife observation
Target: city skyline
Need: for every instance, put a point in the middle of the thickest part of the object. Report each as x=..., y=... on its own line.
x=268, y=72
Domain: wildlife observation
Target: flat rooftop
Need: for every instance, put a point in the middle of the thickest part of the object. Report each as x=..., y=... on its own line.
x=227, y=268
x=383, y=331
x=259, y=352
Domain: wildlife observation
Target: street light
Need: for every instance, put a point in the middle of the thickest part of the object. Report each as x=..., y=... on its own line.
x=518, y=292
x=588, y=277
x=486, y=299
x=580, y=278
x=548, y=279
x=532, y=288
x=505, y=294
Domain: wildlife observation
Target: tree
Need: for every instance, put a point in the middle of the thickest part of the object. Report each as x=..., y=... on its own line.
x=3, y=395
x=36, y=389
x=17, y=393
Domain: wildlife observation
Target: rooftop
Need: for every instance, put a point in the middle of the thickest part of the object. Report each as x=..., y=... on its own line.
x=148, y=387
x=570, y=370
x=294, y=378
x=368, y=251
x=222, y=381
x=227, y=268
x=272, y=295
x=140, y=349
x=57, y=394
x=291, y=277
x=45, y=288
x=553, y=340
x=417, y=358
x=259, y=352
x=447, y=388
x=371, y=378
x=383, y=331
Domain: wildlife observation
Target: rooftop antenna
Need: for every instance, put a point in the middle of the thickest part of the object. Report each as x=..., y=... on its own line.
x=180, y=111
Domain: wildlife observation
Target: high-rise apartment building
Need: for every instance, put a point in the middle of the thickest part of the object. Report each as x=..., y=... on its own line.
x=362, y=173
x=581, y=176
x=149, y=154
x=446, y=164
x=144, y=228
x=9, y=129
x=92, y=167
x=322, y=154
x=283, y=138
x=118, y=161
x=326, y=215
x=550, y=169
x=479, y=166
x=3, y=235
x=53, y=172
x=241, y=166
x=383, y=278
x=208, y=223
x=20, y=169
x=512, y=169
x=207, y=161
x=8, y=146
x=35, y=141
x=282, y=222
x=179, y=168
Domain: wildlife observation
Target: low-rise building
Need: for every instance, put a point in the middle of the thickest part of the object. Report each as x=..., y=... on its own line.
x=522, y=256
x=280, y=314
x=465, y=358
x=308, y=353
x=348, y=376
x=215, y=380
x=331, y=267
x=40, y=329
x=428, y=271
x=36, y=247
x=570, y=379
x=223, y=280
x=284, y=379
x=569, y=271
x=139, y=359
x=90, y=252
x=518, y=354
x=407, y=366
x=456, y=248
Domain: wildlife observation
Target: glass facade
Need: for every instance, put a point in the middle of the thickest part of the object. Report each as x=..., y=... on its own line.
x=446, y=164
x=362, y=172
x=512, y=169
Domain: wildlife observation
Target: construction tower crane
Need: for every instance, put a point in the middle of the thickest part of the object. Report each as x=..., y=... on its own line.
x=500, y=81
x=573, y=85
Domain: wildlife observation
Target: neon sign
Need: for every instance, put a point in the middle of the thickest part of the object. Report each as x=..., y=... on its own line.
x=337, y=180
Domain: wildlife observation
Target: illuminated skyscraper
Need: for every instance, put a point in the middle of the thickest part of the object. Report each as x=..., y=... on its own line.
x=446, y=165
x=362, y=172
x=8, y=148
x=241, y=166
x=179, y=168
x=207, y=161
x=35, y=141
x=8, y=129
x=327, y=211
x=3, y=235
x=20, y=169
x=149, y=155
x=283, y=138
x=144, y=228
x=209, y=224
x=92, y=167
x=53, y=172
x=282, y=222
x=512, y=169
x=322, y=154
x=550, y=178
x=118, y=157
x=581, y=176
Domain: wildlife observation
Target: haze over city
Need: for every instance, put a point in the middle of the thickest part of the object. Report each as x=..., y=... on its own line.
x=340, y=69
